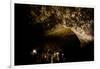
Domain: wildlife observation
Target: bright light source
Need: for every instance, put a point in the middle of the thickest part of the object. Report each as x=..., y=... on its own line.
x=34, y=51
x=57, y=53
